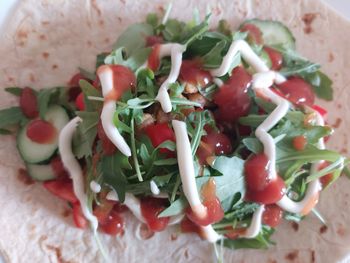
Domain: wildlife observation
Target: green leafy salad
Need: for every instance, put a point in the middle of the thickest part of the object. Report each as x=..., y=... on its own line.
x=211, y=130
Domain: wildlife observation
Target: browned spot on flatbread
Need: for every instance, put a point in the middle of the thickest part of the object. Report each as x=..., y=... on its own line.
x=344, y=150
x=323, y=229
x=145, y=232
x=22, y=34
x=54, y=66
x=58, y=253
x=330, y=57
x=101, y=23
x=107, y=40
x=292, y=255
x=45, y=23
x=308, y=18
x=313, y=256
x=21, y=43
x=45, y=55
x=341, y=231
x=272, y=260
x=32, y=77
x=186, y=253
x=122, y=1
x=89, y=43
x=42, y=37
x=216, y=11
x=173, y=237
x=295, y=226
x=119, y=19
x=23, y=177
x=339, y=106
x=337, y=123
x=10, y=79
x=66, y=212
x=95, y=6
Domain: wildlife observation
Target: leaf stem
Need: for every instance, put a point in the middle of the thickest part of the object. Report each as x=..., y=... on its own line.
x=134, y=154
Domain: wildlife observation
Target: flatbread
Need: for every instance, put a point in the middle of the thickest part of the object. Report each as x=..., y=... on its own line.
x=43, y=46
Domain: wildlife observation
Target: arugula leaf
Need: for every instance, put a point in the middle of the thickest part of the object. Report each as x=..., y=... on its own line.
x=134, y=61
x=100, y=59
x=253, y=145
x=87, y=74
x=134, y=37
x=5, y=132
x=14, y=91
x=321, y=83
x=11, y=116
x=46, y=97
x=176, y=208
x=153, y=20
x=262, y=241
x=111, y=168
x=85, y=134
x=90, y=90
x=214, y=57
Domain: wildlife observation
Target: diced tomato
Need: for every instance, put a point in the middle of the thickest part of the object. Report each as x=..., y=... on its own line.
x=298, y=91
x=320, y=110
x=78, y=217
x=153, y=40
x=42, y=132
x=214, y=209
x=103, y=210
x=96, y=83
x=159, y=133
x=215, y=143
x=275, y=57
x=299, y=142
x=187, y=226
x=254, y=33
x=113, y=225
x=153, y=59
x=326, y=179
x=191, y=72
x=62, y=188
x=123, y=80
x=79, y=102
x=232, y=98
x=272, y=215
x=107, y=146
x=28, y=103
x=58, y=168
x=73, y=93
x=74, y=81
x=234, y=233
x=150, y=209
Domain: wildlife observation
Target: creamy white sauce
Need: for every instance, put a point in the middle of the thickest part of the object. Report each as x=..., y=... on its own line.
x=255, y=225
x=210, y=234
x=175, y=51
x=186, y=168
x=95, y=187
x=105, y=75
x=248, y=55
x=154, y=188
x=74, y=169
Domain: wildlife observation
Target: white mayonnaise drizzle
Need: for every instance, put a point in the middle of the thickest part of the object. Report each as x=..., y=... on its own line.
x=175, y=51
x=95, y=187
x=210, y=234
x=255, y=226
x=185, y=161
x=74, y=169
x=105, y=74
x=154, y=188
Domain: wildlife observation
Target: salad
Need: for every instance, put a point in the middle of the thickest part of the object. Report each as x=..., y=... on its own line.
x=212, y=130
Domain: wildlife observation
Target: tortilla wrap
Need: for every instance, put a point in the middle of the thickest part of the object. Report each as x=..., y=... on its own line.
x=45, y=43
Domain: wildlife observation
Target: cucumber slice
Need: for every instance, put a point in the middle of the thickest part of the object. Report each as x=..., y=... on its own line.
x=41, y=172
x=32, y=152
x=274, y=33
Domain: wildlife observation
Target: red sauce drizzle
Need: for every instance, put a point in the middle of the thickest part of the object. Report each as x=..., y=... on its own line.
x=260, y=188
x=42, y=132
x=214, y=210
x=275, y=57
x=299, y=142
x=191, y=72
x=153, y=59
x=272, y=215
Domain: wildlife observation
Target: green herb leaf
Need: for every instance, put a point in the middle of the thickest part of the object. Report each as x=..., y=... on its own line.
x=321, y=83
x=11, y=116
x=14, y=91
x=87, y=74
